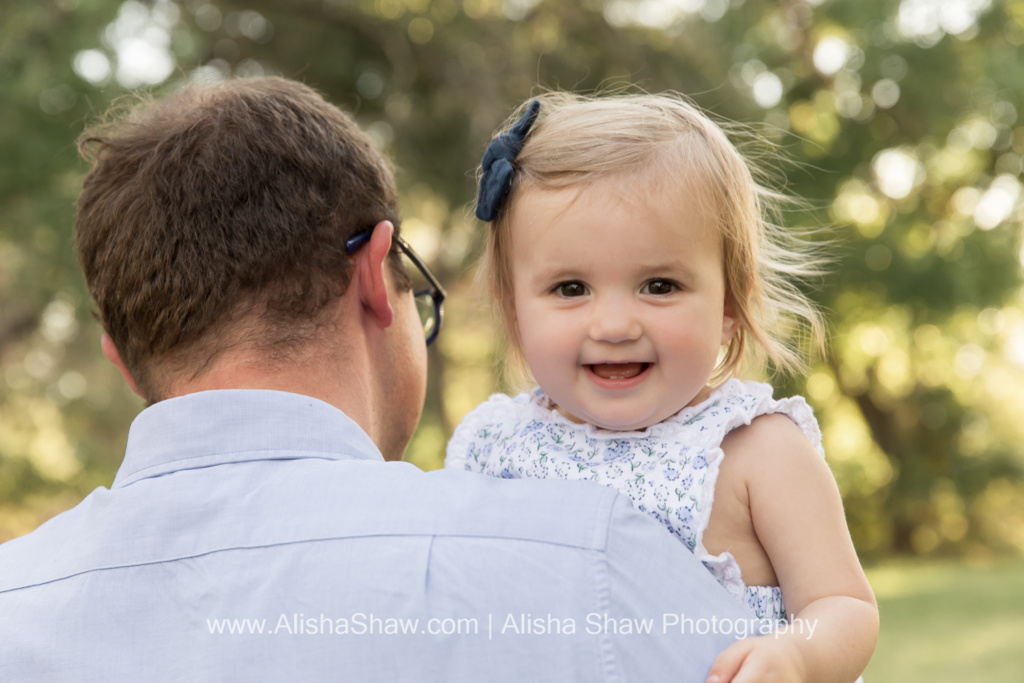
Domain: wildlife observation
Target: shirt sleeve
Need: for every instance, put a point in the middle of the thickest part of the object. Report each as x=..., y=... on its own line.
x=657, y=584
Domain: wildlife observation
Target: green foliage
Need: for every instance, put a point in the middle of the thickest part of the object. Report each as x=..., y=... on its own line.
x=903, y=138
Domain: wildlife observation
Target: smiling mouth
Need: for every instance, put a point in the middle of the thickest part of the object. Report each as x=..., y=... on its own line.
x=618, y=370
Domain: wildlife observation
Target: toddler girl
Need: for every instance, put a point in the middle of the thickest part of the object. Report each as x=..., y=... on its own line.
x=635, y=271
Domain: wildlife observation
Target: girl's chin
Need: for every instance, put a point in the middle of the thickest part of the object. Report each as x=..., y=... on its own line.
x=611, y=423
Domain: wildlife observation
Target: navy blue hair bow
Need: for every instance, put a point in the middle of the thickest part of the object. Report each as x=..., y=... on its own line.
x=496, y=180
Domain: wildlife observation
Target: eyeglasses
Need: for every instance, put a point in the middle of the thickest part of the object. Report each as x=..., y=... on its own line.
x=428, y=292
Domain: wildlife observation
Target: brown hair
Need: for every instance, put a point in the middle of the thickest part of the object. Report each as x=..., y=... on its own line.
x=660, y=142
x=218, y=215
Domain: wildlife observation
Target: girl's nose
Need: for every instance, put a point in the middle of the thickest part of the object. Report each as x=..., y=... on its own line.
x=614, y=320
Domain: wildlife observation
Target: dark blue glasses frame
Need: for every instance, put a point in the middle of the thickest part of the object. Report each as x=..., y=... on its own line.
x=435, y=291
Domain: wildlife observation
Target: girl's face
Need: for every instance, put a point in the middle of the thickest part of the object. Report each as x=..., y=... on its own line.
x=620, y=305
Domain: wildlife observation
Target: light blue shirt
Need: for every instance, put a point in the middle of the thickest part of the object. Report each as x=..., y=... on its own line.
x=260, y=536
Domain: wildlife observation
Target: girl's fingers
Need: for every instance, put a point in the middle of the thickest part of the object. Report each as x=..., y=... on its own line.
x=729, y=662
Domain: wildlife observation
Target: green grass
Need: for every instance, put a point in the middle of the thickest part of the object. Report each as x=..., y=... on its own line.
x=948, y=622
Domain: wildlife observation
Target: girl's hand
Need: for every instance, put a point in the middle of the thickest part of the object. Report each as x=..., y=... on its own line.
x=757, y=660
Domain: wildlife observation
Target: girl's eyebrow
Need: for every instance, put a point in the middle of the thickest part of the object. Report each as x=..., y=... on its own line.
x=670, y=269
x=557, y=271
x=675, y=268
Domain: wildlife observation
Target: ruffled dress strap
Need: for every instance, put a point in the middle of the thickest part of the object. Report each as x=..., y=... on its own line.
x=737, y=404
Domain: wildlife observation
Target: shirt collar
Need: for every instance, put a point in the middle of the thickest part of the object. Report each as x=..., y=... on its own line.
x=218, y=427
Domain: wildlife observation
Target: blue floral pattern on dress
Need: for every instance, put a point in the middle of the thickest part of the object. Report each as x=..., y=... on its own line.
x=669, y=469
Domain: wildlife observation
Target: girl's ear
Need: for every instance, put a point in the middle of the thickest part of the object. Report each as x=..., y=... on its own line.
x=730, y=319
x=507, y=310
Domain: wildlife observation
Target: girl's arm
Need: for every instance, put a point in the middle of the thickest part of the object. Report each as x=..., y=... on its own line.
x=798, y=518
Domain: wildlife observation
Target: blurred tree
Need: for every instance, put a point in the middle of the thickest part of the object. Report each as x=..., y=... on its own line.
x=62, y=413
x=899, y=119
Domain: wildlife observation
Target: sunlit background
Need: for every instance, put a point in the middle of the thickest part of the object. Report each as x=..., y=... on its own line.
x=900, y=121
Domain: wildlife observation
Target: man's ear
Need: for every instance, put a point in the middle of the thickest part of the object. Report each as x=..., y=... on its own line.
x=114, y=356
x=371, y=264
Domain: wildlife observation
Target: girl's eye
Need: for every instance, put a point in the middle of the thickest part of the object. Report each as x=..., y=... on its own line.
x=571, y=289
x=660, y=287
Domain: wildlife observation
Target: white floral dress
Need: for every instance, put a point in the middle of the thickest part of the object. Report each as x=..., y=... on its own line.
x=669, y=469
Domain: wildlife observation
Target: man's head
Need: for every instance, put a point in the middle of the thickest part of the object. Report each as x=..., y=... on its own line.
x=217, y=217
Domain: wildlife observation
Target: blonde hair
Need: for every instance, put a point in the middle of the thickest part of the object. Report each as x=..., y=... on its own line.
x=664, y=141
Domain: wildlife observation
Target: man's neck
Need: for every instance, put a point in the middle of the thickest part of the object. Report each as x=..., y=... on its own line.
x=317, y=373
